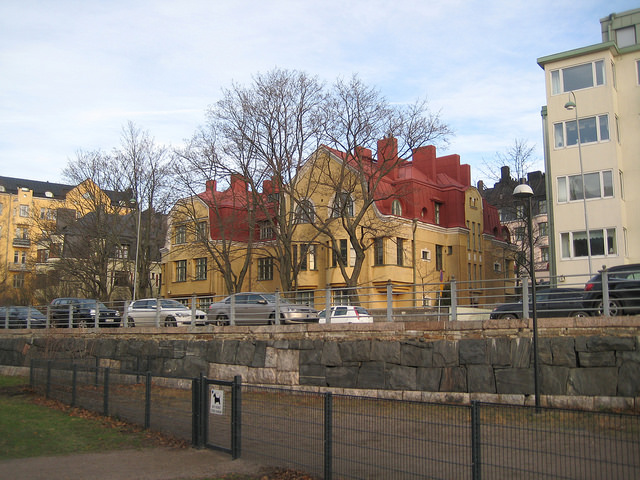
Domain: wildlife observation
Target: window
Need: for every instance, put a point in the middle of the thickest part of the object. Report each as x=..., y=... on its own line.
x=312, y=257
x=520, y=233
x=42, y=255
x=181, y=271
x=202, y=231
x=24, y=210
x=122, y=251
x=592, y=129
x=544, y=254
x=437, y=207
x=265, y=268
x=344, y=251
x=625, y=37
x=603, y=243
x=18, y=280
x=543, y=229
x=201, y=268
x=266, y=230
x=577, y=77
x=18, y=255
x=400, y=251
x=47, y=213
x=378, y=251
x=396, y=208
x=305, y=297
x=304, y=248
x=120, y=278
x=305, y=212
x=621, y=184
x=180, y=234
x=22, y=233
x=542, y=207
x=342, y=206
x=596, y=185
x=473, y=230
x=426, y=255
x=439, y=262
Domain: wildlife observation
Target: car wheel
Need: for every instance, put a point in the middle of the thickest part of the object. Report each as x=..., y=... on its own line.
x=272, y=319
x=170, y=322
x=131, y=322
x=615, y=307
x=82, y=323
x=579, y=314
x=222, y=320
x=509, y=316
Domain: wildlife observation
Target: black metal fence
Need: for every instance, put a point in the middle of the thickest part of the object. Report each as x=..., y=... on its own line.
x=335, y=436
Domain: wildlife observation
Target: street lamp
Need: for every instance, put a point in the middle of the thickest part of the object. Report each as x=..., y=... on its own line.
x=574, y=106
x=525, y=192
x=135, y=271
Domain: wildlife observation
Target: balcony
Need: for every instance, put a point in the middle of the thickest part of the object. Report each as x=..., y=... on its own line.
x=18, y=267
x=21, y=242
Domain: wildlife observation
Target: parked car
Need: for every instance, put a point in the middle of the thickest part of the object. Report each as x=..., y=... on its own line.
x=623, y=287
x=346, y=314
x=256, y=308
x=84, y=313
x=21, y=317
x=172, y=313
x=550, y=302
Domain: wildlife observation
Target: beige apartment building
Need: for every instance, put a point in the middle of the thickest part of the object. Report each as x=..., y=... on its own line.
x=595, y=222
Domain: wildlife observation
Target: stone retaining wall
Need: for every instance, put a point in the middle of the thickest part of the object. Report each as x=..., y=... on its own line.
x=582, y=361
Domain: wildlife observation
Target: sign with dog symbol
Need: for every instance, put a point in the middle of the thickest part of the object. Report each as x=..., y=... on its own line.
x=217, y=402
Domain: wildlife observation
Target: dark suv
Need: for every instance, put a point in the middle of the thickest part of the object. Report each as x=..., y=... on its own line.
x=83, y=311
x=624, y=291
x=550, y=302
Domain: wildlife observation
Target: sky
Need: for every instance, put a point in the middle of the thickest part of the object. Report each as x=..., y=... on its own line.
x=74, y=73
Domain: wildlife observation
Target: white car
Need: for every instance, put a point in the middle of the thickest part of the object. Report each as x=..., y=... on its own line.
x=346, y=314
x=172, y=313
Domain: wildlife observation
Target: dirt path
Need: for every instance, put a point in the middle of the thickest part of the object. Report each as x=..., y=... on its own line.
x=147, y=464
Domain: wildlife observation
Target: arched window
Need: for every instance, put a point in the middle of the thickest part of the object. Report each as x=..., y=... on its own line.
x=342, y=205
x=396, y=208
x=305, y=212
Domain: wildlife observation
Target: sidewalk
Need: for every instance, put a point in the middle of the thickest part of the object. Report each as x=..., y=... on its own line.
x=147, y=464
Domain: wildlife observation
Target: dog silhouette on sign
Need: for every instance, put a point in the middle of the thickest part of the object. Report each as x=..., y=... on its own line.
x=217, y=399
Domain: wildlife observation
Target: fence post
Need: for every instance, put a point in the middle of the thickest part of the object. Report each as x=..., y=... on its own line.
x=328, y=436
x=327, y=305
x=605, y=292
x=389, y=301
x=31, y=373
x=196, y=397
x=158, y=312
x=194, y=323
x=105, y=406
x=236, y=417
x=232, y=313
x=48, y=324
x=48, y=387
x=475, y=441
x=277, y=319
x=202, y=426
x=125, y=314
x=70, y=316
x=96, y=320
x=454, y=299
x=525, y=296
x=74, y=383
x=147, y=402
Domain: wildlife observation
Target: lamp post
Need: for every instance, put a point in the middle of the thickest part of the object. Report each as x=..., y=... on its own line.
x=574, y=106
x=525, y=192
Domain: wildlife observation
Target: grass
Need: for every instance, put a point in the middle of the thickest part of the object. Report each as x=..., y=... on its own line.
x=30, y=429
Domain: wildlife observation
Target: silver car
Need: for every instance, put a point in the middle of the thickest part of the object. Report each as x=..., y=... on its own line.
x=257, y=308
x=172, y=313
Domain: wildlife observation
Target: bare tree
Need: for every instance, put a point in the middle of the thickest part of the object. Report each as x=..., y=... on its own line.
x=518, y=157
x=356, y=117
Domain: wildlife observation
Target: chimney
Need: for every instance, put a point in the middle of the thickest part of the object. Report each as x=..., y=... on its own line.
x=211, y=185
x=505, y=174
x=388, y=149
x=424, y=160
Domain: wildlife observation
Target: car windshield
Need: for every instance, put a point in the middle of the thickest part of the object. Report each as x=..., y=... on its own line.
x=30, y=311
x=166, y=303
x=92, y=304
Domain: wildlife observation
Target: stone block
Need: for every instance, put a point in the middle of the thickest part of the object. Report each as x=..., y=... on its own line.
x=545, y=356
x=355, y=351
x=310, y=357
x=416, y=355
x=259, y=354
x=480, y=378
x=563, y=350
x=228, y=351
x=401, y=378
x=371, y=375
x=331, y=354
x=428, y=379
x=245, y=353
x=261, y=376
x=445, y=353
x=514, y=380
x=345, y=377
x=500, y=351
x=601, y=344
x=385, y=352
x=271, y=357
x=220, y=371
x=520, y=353
x=553, y=380
x=473, y=352
x=597, y=359
x=288, y=360
x=593, y=381
x=454, y=379
x=629, y=379
x=287, y=378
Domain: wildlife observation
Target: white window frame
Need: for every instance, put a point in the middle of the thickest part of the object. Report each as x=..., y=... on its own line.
x=563, y=184
x=560, y=131
x=568, y=239
x=598, y=77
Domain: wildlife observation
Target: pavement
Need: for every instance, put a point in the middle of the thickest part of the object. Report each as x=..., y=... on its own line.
x=164, y=463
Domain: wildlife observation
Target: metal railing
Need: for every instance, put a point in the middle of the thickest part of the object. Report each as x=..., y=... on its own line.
x=336, y=436
x=566, y=296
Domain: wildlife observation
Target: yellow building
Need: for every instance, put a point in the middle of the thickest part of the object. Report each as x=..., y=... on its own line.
x=421, y=225
x=28, y=214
